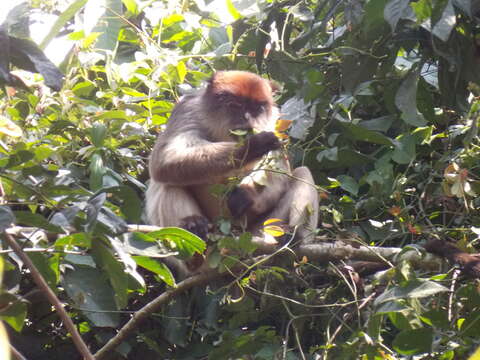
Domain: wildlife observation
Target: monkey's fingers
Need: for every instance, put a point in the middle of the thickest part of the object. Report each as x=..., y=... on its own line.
x=260, y=144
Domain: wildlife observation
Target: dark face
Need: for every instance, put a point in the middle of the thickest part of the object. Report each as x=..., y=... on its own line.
x=241, y=110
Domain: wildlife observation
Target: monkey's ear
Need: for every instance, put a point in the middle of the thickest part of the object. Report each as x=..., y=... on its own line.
x=274, y=86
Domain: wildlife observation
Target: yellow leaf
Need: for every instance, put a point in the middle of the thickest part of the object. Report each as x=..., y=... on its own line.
x=270, y=221
x=281, y=135
x=8, y=127
x=274, y=230
x=282, y=125
x=476, y=355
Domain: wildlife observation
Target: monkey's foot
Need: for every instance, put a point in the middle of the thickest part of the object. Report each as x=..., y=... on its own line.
x=239, y=201
x=196, y=224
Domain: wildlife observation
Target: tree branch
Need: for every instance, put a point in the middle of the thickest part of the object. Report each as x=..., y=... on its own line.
x=42, y=284
x=470, y=263
x=153, y=306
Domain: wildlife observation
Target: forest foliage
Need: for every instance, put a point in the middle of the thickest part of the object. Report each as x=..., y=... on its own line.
x=384, y=99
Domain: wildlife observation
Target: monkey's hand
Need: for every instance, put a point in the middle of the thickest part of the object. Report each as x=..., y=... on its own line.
x=196, y=224
x=259, y=144
x=239, y=201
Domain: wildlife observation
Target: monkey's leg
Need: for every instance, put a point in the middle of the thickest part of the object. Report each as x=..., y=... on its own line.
x=169, y=205
x=299, y=206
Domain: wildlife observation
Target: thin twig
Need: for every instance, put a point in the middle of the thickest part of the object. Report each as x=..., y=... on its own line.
x=42, y=284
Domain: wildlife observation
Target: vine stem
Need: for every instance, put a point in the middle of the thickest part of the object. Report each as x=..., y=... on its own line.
x=42, y=284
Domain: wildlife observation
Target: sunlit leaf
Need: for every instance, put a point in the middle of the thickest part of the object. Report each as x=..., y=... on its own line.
x=8, y=127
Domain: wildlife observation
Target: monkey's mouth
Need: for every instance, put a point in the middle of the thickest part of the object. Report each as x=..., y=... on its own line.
x=242, y=132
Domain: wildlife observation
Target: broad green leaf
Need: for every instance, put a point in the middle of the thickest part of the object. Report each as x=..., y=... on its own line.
x=156, y=267
x=446, y=23
x=117, y=275
x=475, y=355
x=232, y=10
x=405, y=150
x=78, y=239
x=145, y=245
x=8, y=127
x=406, y=100
x=349, y=184
x=361, y=133
x=7, y=218
x=36, y=220
x=97, y=171
x=413, y=342
x=48, y=266
x=103, y=16
x=395, y=10
x=183, y=241
x=62, y=20
x=90, y=291
x=131, y=6
x=13, y=311
x=381, y=124
x=390, y=306
x=131, y=204
x=98, y=133
x=414, y=290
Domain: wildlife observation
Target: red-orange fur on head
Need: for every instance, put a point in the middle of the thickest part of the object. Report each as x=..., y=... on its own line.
x=242, y=83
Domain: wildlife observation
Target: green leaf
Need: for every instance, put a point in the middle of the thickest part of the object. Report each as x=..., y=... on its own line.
x=414, y=290
x=98, y=133
x=97, y=171
x=79, y=239
x=446, y=23
x=131, y=204
x=182, y=240
x=7, y=219
x=412, y=342
x=156, y=267
x=131, y=6
x=349, y=184
x=405, y=151
x=62, y=20
x=36, y=220
x=406, y=100
x=117, y=275
x=395, y=10
x=108, y=24
x=381, y=124
x=13, y=310
x=145, y=245
x=232, y=10
x=48, y=266
x=92, y=294
x=361, y=133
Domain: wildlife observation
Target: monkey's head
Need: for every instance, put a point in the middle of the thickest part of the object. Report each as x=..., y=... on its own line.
x=241, y=100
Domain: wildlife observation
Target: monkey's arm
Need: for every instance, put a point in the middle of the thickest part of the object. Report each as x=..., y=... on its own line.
x=182, y=162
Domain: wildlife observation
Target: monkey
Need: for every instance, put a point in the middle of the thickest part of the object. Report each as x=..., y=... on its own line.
x=197, y=149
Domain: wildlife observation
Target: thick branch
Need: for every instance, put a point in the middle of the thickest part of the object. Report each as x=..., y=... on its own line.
x=470, y=263
x=340, y=251
x=42, y=284
x=152, y=307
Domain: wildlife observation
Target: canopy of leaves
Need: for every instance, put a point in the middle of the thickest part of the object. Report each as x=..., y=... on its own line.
x=384, y=99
